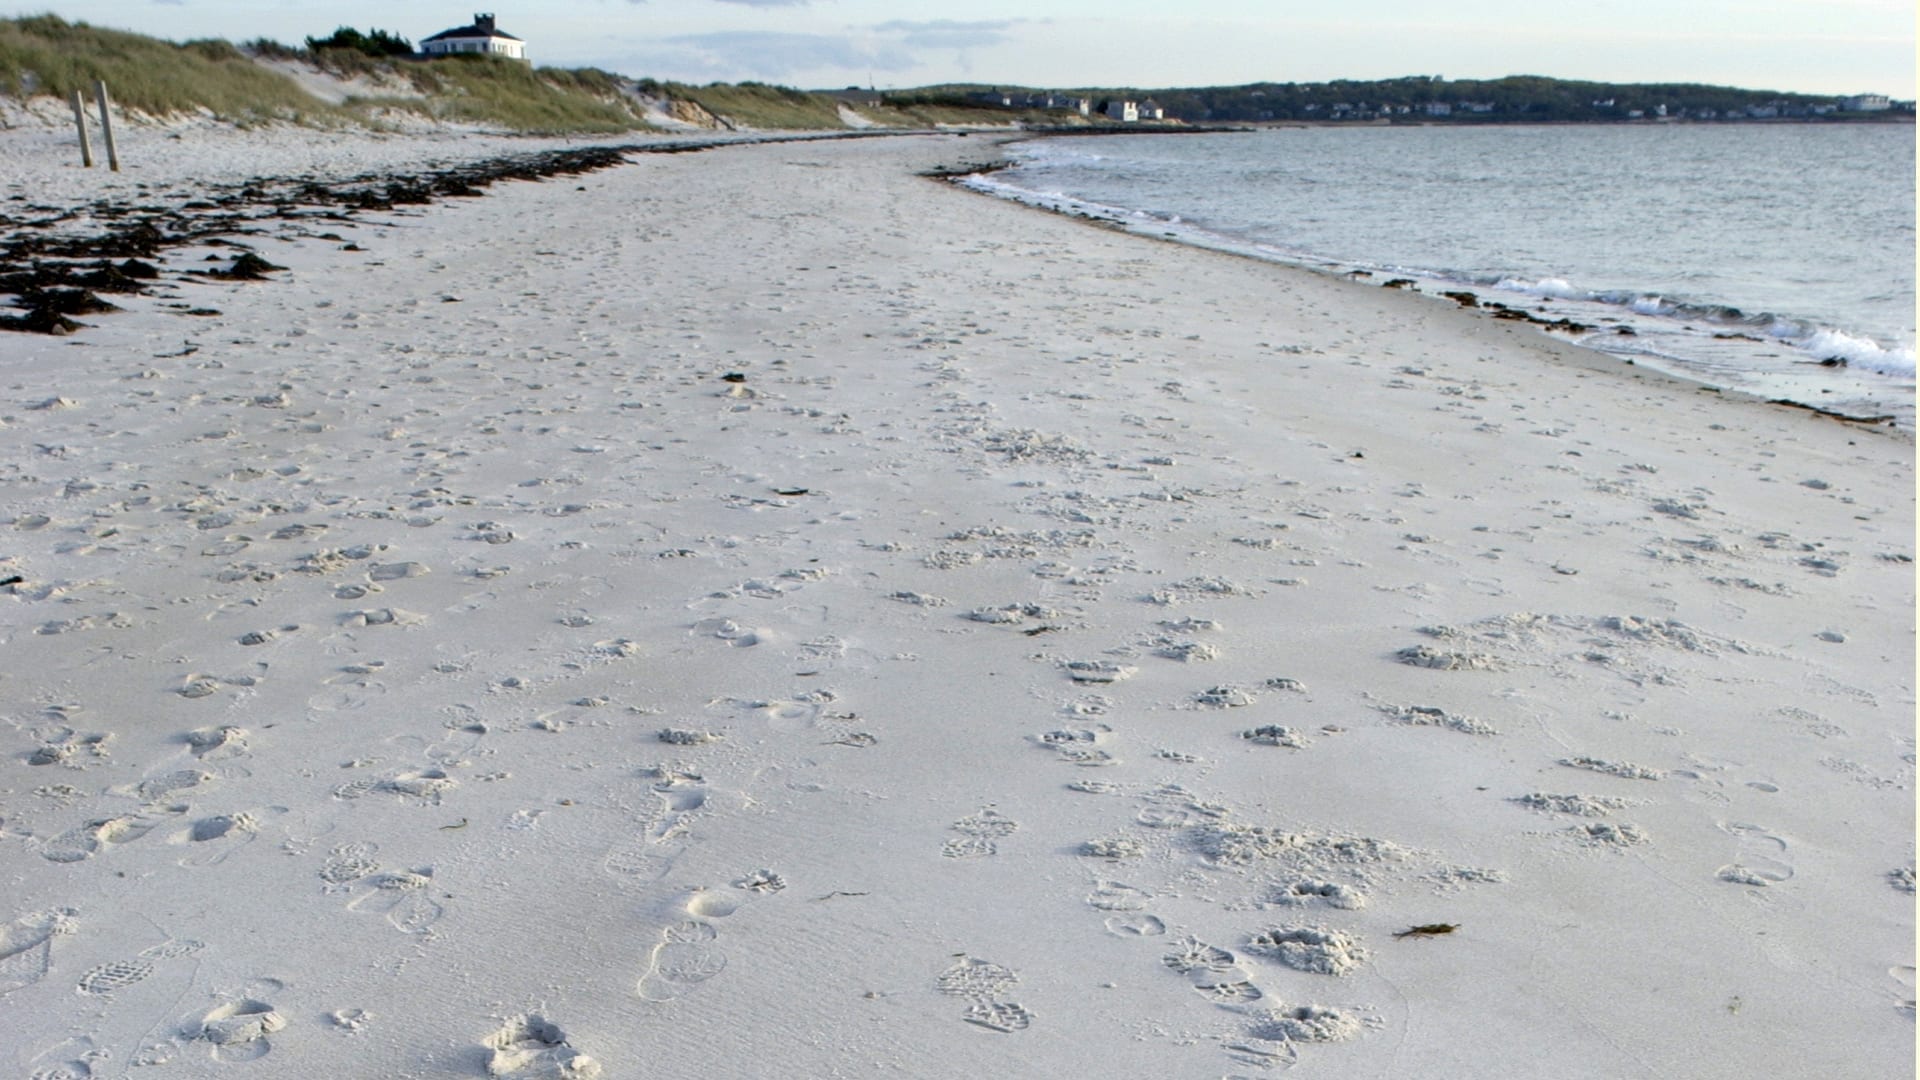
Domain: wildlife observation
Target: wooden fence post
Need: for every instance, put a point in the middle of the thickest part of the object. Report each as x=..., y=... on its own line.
x=80, y=122
x=106, y=124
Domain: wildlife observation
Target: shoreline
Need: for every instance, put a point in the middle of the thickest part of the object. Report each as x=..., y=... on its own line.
x=55, y=290
x=1590, y=319
x=783, y=609
x=1599, y=358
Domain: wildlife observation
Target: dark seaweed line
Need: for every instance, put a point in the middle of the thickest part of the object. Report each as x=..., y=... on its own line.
x=54, y=277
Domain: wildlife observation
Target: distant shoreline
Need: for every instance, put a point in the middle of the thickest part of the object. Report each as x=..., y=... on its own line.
x=1894, y=119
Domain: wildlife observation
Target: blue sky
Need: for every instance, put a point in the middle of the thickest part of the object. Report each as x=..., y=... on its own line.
x=1811, y=46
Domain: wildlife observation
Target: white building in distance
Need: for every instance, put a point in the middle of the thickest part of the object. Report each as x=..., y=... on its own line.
x=481, y=37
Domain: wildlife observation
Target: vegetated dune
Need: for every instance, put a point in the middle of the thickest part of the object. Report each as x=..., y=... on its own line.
x=44, y=58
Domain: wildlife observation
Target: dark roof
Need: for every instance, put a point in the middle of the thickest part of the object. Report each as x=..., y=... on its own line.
x=479, y=29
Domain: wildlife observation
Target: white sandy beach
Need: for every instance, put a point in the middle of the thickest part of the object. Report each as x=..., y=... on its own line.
x=762, y=613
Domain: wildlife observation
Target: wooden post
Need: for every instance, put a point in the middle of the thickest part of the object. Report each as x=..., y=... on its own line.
x=80, y=121
x=106, y=124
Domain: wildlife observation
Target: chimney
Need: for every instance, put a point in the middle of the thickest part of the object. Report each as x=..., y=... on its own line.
x=484, y=22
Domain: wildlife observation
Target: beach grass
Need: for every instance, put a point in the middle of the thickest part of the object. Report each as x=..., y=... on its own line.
x=511, y=95
x=47, y=55
x=759, y=105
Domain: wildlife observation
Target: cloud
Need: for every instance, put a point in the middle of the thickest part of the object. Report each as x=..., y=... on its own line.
x=767, y=3
x=949, y=33
x=771, y=55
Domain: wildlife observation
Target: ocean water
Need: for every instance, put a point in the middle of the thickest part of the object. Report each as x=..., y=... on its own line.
x=1775, y=259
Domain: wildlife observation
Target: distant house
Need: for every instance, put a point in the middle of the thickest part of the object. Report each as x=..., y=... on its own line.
x=481, y=37
x=1866, y=103
x=1126, y=112
x=1083, y=106
x=1152, y=110
x=1437, y=108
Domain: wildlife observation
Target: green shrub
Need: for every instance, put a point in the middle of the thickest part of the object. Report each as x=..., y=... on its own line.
x=272, y=50
x=372, y=43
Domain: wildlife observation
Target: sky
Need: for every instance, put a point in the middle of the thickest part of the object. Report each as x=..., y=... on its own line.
x=1805, y=46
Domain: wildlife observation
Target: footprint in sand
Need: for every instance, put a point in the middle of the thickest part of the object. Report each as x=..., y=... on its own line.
x=534, y=1048
x=404, y=897
x=1214, y=973
x=675, y=801
x=217, y=743
x=73, y=1059
x=427, y=785
x=26, y=946
x=1138, y=924
x=104, y=979
x=795, y=714
x=740, y=637
x=1902, y=975
x=1117, y=896
x=977, y=834
x=982, y=983
x=685, y=958
x=1760, y=860
x=168, y=784
x=238, y=1030
x=687, y=954
x=352, y=687
x=71, y=749
x=348, y=863
x=1079, y=746
x=212, y=840
x=87, y=839
x=638, y=860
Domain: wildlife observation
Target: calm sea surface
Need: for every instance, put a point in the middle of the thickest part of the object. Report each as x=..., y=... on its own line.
x=1741, y=254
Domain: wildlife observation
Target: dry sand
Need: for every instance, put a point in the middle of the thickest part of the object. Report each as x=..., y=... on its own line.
x=762, y=613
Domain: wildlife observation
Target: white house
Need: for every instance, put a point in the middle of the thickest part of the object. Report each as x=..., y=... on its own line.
x=1127, y=112
x=481, y=37
x=1152, y=110
x=1867, y=103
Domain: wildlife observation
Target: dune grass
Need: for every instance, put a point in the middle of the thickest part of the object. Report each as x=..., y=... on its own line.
x=47, y=55
x=758, y=105
x=509, y=94
x=921, y=114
